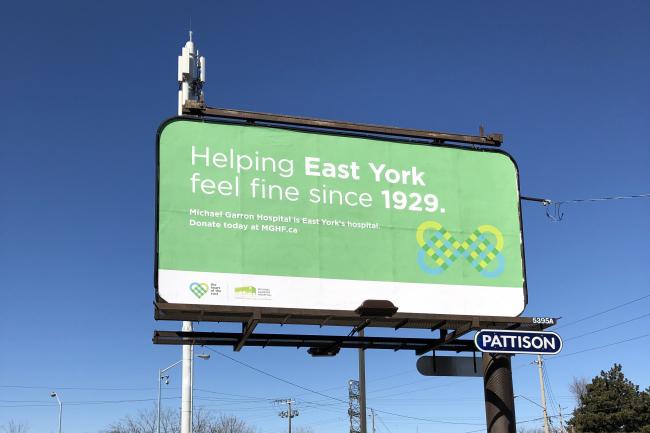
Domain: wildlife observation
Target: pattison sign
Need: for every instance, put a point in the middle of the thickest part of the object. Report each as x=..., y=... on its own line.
x=270, y=217
x=526, y=342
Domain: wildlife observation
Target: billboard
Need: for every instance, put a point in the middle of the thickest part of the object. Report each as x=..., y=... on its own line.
x=261, y=216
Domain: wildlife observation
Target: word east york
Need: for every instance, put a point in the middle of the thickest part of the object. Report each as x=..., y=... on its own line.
x=314, y=167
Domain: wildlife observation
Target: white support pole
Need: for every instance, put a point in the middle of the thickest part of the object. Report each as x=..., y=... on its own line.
x=362, y=388
x=192, y=390
x=186, y=392
x=191, y=76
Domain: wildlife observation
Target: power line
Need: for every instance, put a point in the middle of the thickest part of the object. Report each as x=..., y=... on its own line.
x=373, y=380
x=616, y=197
x=547, y=380
x=328, y=396
x=427, y=388
x=274, y=376
x=518, y=422
x=381, y=420
x=89, y=402
x=608, y=327
x=552, y=207
x=234, y=395
x=78, y=388
x=591, y=316
x=547, y=201
x=603, y=346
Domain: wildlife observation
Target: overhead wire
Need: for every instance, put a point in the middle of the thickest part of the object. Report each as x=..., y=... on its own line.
x=607, y=327
x=600, y=313
x=638, y=337
x=381, y=420
x=431, y=420
x=615, y=197
x=556, y=215
x=78, y=388
x=372, y=379
x=547, y=380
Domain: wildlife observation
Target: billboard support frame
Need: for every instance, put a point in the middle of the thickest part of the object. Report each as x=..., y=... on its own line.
x=460, y=324
x=197, y=108
x=450, y=328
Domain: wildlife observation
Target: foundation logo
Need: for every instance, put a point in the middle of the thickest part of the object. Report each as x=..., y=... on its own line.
x=250, y=292
x=245, y=292
x=439, y=249
x=199, y=289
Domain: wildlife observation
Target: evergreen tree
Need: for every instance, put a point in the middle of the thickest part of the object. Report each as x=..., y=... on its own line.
x=611, y=403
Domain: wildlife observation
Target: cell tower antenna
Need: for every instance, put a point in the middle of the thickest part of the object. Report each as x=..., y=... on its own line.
x=191, y=76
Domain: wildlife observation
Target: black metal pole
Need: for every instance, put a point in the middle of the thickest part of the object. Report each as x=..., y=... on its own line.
x=499, y=395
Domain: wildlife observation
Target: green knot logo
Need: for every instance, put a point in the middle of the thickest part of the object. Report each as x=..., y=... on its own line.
x=199, y=289
x=439, y=249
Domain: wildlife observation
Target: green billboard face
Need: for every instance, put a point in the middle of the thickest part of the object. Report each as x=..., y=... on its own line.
x=269, y=217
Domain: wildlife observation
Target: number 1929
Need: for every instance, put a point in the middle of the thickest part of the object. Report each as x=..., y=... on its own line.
x=413, y=201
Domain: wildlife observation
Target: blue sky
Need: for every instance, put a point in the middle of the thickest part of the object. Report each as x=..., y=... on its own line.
x=86, y=85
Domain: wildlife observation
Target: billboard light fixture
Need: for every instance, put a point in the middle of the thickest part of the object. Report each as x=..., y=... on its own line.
x=376, y=308
x=324, y=351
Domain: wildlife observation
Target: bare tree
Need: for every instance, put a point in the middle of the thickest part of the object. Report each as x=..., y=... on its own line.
x=145, y=422
x=303, y=429
x=204, y=422
x=229, y=424
x=578, y=387
x=530, y=430
x=15, y=427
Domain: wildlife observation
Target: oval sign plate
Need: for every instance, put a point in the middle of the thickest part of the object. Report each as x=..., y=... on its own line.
x=526, y=342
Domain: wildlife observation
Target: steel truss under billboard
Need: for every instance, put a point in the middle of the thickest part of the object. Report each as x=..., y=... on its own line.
x=267, y=217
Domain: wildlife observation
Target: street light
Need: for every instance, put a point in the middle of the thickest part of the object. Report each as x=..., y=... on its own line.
x=55, y=395
x=204, y=356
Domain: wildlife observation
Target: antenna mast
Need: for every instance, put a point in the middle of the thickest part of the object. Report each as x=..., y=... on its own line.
x=191, y=75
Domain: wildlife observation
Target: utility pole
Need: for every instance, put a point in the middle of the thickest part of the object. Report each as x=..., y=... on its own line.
x=562, y=427
x=289, y=413
x=191, y=76
x=540, y=363
x=362, y=388
x=372, y=412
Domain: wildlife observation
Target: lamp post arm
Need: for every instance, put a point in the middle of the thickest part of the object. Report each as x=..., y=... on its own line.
x=160, y=375
x=526, y=398
x=171, y=366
